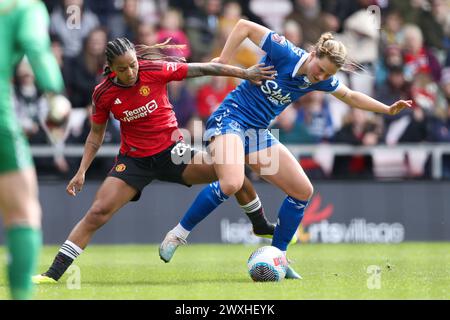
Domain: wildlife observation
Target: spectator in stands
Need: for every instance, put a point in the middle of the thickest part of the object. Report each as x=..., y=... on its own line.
x=342, y=9
x=272, y=15
x=126, y=24
x=293, y=31
x=202, y=26
x=418, y=58
x=248, y=13
x=315, y=117
x=246, y=55
x=361, y=37
x=308, y=14
x=290, y=129
x=146, y=34
x=394, y=88
x=172, y=27
x=122, y=18
x=431, y=20
x=391, y=33
x=106, y=10
x=424, y=92
x=58, y=51
x=72, y=22
x=392, y=58
x=151, y=11
x=305, y=121
x=187, y=7
x=412, y=126
x=86, y=69
x=360, y=129
x=182, y=101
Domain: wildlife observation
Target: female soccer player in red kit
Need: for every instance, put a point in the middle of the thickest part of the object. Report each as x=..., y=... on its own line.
x=134, y=91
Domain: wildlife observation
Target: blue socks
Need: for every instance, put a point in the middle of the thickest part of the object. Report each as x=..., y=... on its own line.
x=207, y=200
x=289, y=218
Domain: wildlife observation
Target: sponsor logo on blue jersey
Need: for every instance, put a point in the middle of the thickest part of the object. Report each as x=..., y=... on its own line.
x=275, y=94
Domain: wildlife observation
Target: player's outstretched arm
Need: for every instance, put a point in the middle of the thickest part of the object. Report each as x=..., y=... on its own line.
x=242, y=30
x=256, y=73
x=360, y=100
x=92, y=145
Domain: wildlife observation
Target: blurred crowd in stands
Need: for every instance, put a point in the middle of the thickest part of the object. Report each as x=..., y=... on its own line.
x=405, y=57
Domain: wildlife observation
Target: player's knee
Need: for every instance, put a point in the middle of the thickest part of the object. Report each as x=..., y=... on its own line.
x=309, y=191
x=231, y=185
x=304, y=193
x=97, y=216
x=26, y=213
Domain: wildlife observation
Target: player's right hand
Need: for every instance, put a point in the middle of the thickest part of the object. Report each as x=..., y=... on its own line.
x=76, y=184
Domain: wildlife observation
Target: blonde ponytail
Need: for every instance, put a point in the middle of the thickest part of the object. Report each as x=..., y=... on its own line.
x=327, y=46
x=334, y=50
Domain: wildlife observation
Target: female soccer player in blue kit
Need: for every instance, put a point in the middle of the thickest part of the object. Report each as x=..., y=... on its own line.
x=238, y=132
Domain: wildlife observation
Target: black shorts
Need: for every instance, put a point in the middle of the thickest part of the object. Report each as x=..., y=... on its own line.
x=168, y=165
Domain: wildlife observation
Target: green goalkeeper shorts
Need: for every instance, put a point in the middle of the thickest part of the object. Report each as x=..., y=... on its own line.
x=15, y=152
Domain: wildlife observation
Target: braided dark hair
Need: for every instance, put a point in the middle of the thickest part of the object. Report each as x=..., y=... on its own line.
x=114, y=49
x=120, y=46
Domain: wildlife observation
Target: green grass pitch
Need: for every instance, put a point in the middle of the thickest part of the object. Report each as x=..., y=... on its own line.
x=219, y=272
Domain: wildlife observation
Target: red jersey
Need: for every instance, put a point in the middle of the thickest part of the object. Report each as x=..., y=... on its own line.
x=147, y=121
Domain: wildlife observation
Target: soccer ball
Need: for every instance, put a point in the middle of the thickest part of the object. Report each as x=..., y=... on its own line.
x=267, y=264
x=59, y=110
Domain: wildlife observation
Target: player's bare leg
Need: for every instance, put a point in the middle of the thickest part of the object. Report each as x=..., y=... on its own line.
x=112, y=195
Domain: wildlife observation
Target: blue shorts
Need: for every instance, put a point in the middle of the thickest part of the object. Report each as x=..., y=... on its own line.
x=254, y=139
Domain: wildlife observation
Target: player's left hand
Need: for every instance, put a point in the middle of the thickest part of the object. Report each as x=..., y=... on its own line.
x=260, y=72
x=398, y=106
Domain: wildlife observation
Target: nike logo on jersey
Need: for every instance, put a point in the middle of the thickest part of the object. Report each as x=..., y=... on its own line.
x=274, y=94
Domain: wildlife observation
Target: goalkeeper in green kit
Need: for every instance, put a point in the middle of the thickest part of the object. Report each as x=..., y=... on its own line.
x=23, y=31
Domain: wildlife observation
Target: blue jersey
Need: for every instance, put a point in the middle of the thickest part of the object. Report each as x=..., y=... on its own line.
x=257, y=106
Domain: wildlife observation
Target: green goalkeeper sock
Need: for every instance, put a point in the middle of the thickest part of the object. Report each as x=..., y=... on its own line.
x=24, y=244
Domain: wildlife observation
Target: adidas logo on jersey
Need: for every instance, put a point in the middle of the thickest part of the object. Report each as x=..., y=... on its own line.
x=117, y=101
